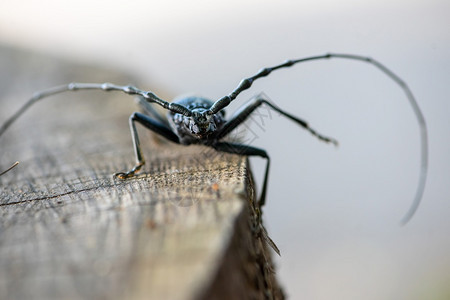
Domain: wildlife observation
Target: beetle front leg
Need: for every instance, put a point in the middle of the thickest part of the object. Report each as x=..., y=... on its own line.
x=151, y=124
x=241, y=115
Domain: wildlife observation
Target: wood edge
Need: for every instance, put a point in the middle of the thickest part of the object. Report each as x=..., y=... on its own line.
x=247, y=270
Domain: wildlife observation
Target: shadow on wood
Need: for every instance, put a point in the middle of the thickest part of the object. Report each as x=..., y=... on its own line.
x=183, y=229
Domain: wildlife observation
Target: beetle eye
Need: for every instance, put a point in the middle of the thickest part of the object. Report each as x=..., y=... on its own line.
x=195, y=128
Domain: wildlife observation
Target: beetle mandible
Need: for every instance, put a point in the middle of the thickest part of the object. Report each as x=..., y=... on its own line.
x=196, y=120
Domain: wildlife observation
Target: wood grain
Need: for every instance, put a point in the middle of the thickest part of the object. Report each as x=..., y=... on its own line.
x=185, y=228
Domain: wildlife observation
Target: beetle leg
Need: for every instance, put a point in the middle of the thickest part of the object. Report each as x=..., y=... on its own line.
x=248, y=151
x=151, y=124
x=242, y=114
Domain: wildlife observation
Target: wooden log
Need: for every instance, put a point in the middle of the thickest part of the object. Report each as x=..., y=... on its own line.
x=185, y=228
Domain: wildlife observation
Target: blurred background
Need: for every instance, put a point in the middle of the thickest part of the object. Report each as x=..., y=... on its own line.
x=333, y=212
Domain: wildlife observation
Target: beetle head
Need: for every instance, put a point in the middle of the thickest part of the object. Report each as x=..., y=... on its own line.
x=201, y=123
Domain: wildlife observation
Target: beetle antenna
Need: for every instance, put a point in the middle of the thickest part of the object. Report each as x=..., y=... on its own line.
x=130, y=90
x=247, y=83
x=12, y=166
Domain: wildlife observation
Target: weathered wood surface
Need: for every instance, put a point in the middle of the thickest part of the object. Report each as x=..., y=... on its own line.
x=183, y=229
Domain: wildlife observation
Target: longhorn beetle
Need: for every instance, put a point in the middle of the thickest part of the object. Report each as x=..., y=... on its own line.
x=196, y=120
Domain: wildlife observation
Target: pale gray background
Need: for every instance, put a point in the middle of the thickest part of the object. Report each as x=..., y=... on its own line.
x=334, y=212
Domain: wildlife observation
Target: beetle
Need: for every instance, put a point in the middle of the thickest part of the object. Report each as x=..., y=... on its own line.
x=197, y=120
